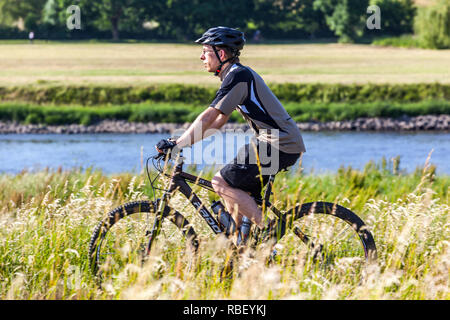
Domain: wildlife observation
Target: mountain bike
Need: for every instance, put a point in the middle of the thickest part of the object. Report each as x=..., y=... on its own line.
x=129, y=232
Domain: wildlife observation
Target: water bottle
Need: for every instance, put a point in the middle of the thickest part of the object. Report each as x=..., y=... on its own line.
x=225, y=219
x=244, y=231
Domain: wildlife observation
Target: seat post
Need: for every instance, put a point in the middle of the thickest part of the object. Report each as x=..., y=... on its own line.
x=268, y=190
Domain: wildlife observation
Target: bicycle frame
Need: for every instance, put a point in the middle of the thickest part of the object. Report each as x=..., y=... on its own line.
x=179, y=180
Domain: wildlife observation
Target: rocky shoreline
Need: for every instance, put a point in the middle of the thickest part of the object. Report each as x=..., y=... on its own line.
x=420, y=123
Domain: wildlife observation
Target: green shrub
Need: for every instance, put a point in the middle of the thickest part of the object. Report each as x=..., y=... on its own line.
x=432, y=25
x=202, y=96
x=343, y=111
x=404, y=41
x=397, y=16
x=33, y=118
x=180, y=113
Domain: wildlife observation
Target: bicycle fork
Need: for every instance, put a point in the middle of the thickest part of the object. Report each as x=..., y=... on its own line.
x=159, y=215
x=156, y=228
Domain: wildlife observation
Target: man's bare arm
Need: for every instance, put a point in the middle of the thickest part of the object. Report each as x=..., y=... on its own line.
x=211, y=118
x=220, y=121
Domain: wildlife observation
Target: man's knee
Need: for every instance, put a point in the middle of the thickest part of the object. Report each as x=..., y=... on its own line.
x=219, y=184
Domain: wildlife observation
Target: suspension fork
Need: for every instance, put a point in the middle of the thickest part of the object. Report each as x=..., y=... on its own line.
x=161, y=208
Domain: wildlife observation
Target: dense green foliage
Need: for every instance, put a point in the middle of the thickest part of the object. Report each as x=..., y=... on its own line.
x=345, y=111
x=93, y=95
x=30, y=11
x=344, y=17
x=432, y=25
x=361, y=92
x=405, y=41
x=167, y=103
x=286, y=92
x=431, y=29
x=397, y=16
x=168, y=19
x=60, y=115
x=181, y=113
x=186, y=20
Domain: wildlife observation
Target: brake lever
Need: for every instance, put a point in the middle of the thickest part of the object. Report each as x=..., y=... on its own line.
x=159, y=156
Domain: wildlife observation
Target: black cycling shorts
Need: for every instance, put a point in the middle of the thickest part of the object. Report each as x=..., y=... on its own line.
x=243, y=173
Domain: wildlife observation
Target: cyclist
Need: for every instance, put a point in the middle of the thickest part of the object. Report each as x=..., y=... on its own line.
x=278, y=139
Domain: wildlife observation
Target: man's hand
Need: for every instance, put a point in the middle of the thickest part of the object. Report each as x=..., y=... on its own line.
x=165, y=145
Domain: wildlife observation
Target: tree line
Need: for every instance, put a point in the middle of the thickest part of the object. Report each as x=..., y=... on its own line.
x=184, y=20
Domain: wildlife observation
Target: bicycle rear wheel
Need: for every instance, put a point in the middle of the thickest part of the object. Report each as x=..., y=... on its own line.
x=330, y=232
x=125, y=236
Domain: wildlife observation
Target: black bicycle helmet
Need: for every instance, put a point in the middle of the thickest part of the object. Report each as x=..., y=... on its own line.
x=223, y=37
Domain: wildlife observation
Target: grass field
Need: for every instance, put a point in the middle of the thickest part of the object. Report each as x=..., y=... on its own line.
x=143, y=63
x=46, y=219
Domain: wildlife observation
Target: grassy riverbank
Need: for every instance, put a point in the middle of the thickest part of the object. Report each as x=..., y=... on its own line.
x=199, y=94
x=47, y=217
x=26, y=113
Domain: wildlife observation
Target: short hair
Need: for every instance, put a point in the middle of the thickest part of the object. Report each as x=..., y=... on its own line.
x=231, y=53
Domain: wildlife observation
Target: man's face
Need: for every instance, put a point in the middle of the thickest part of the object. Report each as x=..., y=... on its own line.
x=209, y=58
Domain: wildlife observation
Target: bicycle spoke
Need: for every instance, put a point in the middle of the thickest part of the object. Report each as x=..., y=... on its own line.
x=327, y=236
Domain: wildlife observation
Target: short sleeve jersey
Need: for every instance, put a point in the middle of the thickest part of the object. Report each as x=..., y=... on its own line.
x=243, y=89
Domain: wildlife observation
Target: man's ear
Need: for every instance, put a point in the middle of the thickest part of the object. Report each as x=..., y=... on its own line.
x=222, y=55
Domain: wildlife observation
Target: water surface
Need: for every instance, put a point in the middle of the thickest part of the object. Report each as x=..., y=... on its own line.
x=114, y=153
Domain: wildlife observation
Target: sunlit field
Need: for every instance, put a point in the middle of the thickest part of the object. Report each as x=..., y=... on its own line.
x=144, y=63
x=47, y=217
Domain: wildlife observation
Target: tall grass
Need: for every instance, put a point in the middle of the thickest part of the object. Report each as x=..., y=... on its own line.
x=46, y=219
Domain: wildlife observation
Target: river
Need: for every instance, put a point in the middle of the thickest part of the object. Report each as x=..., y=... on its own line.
x=114, y=153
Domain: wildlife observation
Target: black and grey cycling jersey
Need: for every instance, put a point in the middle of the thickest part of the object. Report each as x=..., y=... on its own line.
x=244, y=89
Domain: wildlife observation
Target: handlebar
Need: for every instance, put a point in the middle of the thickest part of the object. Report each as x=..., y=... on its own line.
x=158, y=156
x=161, y=156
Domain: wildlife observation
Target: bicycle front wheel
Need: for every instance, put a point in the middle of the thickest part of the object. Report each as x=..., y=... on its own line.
x=330, y=232
x=125, y=236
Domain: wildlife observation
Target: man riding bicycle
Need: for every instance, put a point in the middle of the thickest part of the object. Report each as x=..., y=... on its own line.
x=278, y=143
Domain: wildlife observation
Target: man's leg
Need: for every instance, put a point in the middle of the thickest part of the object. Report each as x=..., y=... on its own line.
x=238, y=202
